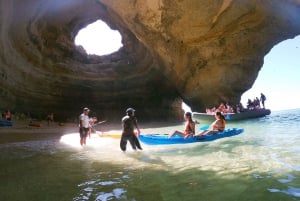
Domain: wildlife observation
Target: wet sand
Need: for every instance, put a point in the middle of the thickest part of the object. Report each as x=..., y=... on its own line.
x=21, y=131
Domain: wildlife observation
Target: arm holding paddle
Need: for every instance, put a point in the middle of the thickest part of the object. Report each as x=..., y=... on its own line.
x=101, y=122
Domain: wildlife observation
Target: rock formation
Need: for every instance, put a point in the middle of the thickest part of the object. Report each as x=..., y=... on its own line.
x=198, y=51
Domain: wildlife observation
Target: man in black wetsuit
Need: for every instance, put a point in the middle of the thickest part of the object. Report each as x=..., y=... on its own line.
x=129, y=123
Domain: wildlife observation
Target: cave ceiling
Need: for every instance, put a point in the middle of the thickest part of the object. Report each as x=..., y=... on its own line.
x=198, y=51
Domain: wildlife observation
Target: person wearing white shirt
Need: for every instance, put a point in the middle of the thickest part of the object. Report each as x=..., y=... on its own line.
x=84, y=125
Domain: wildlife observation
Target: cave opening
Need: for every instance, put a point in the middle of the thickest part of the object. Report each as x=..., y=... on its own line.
x=278, y=78
x=185, y=107
x=99, y=39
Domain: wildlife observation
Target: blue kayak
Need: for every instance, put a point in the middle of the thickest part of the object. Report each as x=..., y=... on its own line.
x=6, y=123
x=159, y=139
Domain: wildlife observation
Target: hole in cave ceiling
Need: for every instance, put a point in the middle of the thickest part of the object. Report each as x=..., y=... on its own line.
x=97, y=38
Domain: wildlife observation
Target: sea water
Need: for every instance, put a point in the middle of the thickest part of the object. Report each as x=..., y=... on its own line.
x=263, y=163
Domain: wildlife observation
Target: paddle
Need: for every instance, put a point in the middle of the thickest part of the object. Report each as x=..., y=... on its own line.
x=99, y=122
x=93, y=126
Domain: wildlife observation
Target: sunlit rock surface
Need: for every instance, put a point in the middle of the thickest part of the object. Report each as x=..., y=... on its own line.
x=200, y=51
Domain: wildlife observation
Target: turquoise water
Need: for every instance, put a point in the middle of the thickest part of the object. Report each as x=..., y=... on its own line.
x=263, y=163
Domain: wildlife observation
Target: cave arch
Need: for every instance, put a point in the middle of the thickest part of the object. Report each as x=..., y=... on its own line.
x=170, y=50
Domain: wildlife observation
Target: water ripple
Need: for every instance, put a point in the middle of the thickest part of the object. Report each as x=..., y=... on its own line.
x=293, y=191
x=117, y=193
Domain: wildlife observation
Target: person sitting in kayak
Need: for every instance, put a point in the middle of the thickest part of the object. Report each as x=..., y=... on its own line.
x=217, y=126
x=189, y=128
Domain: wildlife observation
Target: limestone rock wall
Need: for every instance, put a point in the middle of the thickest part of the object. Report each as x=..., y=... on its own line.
x=197, y=50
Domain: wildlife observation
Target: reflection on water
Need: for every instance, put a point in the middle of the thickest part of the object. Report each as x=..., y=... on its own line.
x=96, y=192
x=289, y=191
x=263, y=163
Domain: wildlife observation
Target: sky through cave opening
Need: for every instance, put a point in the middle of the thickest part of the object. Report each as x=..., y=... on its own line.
x=278, y=78
x=99, y=39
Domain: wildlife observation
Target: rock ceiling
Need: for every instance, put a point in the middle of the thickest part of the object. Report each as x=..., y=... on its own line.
x=200, y=51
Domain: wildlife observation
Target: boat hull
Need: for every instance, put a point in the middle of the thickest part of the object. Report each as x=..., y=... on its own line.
x=233, y=116
x=163, y=139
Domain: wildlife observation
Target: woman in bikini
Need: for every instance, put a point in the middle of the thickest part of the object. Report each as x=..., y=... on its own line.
x=217, y=126
x=189, y=128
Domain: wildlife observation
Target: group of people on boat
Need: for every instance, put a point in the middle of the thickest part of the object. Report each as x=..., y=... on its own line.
x=226, y=108
x=223, y=108
x=255, y=103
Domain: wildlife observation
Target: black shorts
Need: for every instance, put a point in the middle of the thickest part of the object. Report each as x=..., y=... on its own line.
x=83, y=132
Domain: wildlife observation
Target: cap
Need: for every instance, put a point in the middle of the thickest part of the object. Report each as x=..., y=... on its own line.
x=86, y=109
x=130, y=110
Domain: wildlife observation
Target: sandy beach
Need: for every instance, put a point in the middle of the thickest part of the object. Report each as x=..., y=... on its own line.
x=21, y=131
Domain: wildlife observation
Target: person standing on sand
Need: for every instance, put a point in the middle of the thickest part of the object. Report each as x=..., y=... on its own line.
x=7, y=115
x=50, y=118
x=84, y=126
x=129, y=123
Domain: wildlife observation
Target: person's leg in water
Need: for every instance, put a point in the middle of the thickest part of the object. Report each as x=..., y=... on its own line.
x=137, y=142
x=132, y=142
x=123, y=143
x=81, y=136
